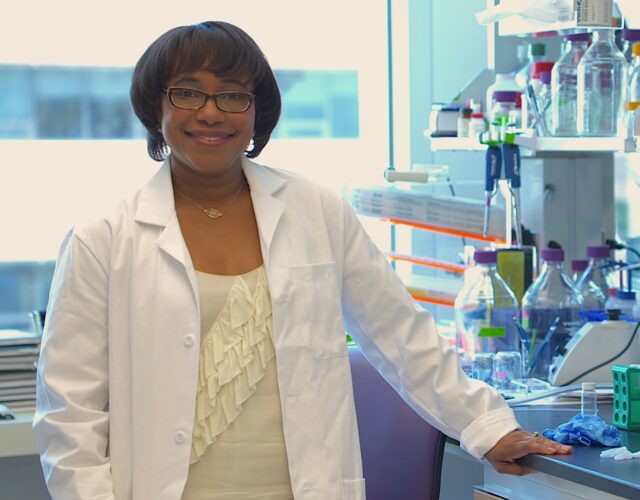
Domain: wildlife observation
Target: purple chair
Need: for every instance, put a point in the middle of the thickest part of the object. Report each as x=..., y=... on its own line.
x=401, y=452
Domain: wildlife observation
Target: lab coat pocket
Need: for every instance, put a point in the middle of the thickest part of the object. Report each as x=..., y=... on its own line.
x=353, y=489
x=318, y=309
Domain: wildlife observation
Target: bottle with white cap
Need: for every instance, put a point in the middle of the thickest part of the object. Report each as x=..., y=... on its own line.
x=588, y=399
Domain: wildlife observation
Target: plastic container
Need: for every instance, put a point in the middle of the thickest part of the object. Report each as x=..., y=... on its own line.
x=588, y=399
x=515, y=115
x=463, y=122
x=578, y=267
x=485, y=310
x=601, y=82
x=503, y=82
x=595, y=282
x=550, y=300
x=477, y=124
x=537, y=53
x=564, y=86
x=504, y=101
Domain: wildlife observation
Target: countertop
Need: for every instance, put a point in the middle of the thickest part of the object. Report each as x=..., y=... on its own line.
x=584, y=465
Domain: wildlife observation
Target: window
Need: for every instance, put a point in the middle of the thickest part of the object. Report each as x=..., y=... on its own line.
x=72, y=147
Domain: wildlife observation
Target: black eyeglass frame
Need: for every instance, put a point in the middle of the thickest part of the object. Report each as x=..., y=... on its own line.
x=214, y=97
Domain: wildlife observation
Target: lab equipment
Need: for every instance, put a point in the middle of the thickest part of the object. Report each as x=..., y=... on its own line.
x=443, y=120
x=517, y=265
x=564, y=86
x=537, y=52
x=601, y=81
x=626, y=396
x=507, y=368
x=588, y=399
x=625, y=302
x=587, y=430
x=550, y=296
x=629, y=37
x=492, y=172
x=503, y=82
x=504, y=101
x=621, y=453
x=463, y=122
x=477, y=124
x=578, y=267
x=593, y=350
x=485, y=310
x=594, y=284
x=544, y=98
x=482, y=367
x=512, y=163
x=633, y=80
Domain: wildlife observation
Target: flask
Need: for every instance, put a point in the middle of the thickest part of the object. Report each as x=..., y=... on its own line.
x=601, y=81
x=564, y=86
x=588, y=399
x=550, y=313
x=577, y=267
x=485, y=310
x=595, y=282
x=537, y=52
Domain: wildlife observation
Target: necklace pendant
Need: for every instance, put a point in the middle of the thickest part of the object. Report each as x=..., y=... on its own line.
x=213, y=213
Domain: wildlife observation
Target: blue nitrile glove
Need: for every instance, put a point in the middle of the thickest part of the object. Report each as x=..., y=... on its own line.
x=587, y=430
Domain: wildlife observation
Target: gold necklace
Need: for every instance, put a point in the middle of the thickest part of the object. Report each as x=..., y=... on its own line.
x=212, y=213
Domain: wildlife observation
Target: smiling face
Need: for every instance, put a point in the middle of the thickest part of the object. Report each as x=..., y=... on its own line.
x=207, y=141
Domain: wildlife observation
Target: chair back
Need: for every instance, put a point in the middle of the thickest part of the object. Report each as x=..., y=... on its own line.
x=401, y=452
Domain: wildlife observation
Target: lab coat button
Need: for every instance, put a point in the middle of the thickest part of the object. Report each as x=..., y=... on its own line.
x=180, y=437
x=189, y=340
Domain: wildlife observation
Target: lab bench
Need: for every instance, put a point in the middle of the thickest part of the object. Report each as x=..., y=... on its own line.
x=583, y=474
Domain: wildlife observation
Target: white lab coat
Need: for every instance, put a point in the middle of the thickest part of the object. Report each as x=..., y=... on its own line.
x=117, y=373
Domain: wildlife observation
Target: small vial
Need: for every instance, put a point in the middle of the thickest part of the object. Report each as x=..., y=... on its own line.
x=589, y=399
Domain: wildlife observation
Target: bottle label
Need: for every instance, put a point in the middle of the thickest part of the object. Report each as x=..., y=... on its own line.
x=495, y=331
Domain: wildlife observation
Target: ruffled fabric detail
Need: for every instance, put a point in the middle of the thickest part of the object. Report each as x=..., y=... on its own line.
x=233, y=358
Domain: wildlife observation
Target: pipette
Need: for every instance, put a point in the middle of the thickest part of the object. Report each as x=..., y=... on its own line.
x=493, y=166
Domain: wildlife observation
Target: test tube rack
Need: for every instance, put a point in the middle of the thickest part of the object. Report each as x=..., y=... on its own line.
x=626, y=397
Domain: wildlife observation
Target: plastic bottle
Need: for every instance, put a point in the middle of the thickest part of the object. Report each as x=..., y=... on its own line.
x=601, y=82
x=564, y=86
x=537, y=69
x=551, y=296
x=544, y=98
x=588, y=399
x=629, y=37
x=578, y=267
x=595, y=282
x=503, y=81
x=515, y=115
x=477, y=124
x=537, y=52
x=463, y=122
x=504, y=102
x=485, y=311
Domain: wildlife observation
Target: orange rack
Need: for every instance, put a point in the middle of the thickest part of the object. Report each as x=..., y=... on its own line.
x=427, y=262
x=447, y=231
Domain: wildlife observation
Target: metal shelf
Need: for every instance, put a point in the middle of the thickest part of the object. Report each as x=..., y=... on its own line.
x=533, y=144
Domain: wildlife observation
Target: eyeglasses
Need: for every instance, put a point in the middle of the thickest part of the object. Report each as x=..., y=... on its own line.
x=232, y=101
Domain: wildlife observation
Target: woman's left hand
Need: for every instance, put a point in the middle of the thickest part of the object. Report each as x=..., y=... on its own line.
x=517, y=444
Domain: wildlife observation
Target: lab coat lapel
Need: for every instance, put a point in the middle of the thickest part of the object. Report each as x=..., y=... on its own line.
x=267, y=208
x=157, y=207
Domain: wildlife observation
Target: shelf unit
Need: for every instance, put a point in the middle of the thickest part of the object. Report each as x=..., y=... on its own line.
x=533, y=145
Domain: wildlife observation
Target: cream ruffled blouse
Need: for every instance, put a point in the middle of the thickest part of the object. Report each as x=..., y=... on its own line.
x=238, y=448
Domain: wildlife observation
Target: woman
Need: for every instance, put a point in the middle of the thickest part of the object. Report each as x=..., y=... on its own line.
x=195, y=345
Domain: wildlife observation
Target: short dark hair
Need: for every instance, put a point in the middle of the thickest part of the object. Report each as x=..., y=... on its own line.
x=215, y=46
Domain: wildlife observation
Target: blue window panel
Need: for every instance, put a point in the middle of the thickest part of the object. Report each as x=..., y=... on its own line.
x=51, y=102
